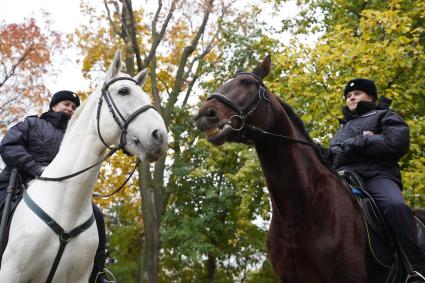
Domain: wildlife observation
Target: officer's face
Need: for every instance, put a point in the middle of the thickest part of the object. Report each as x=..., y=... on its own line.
x=66, y=106
x=354, y=97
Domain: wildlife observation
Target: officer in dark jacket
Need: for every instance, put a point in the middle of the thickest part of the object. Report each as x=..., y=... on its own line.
x=371, y=141
x=32, y=144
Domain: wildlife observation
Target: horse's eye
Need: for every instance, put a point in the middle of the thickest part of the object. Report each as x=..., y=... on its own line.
x=124, y=91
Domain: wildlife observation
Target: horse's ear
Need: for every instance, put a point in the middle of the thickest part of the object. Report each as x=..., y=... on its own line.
x=263, y=68
x=141, y=77
x=115, y=66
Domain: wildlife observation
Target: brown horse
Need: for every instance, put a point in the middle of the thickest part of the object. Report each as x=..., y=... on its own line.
x=317, y=233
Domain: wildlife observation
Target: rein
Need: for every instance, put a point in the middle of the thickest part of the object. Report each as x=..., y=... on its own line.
x=261, y=131
x=59, y=179
x=122, y=185
x=263, y=95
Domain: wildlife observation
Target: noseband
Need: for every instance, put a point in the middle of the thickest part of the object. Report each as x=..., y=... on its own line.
x=244, y=113
x=120, y=120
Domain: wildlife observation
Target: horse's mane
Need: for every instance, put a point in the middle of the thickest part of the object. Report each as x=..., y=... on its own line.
x=299, y=124
x=74, y=118
x=295, y=119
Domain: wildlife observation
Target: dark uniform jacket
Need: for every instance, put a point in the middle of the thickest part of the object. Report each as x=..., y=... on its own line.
x=31, y=145
x=375, y=155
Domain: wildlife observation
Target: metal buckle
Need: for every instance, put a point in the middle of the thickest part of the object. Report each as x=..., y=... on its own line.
x=65, y=237
x=241, y=120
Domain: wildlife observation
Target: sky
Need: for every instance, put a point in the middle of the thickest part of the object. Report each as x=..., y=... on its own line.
x=65, y=17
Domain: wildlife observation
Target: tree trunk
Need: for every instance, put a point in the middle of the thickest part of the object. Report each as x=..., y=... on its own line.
x=211, y=267
x=149, y=256
x=151, y=182
x=152, y=197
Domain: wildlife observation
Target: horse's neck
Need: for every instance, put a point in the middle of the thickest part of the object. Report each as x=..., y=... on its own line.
x=294, y=174
x=80, y=149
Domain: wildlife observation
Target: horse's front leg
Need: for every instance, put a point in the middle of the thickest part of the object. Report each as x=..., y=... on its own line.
x=24, y=255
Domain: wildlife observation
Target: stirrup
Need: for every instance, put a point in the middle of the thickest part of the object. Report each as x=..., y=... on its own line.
x=414, y=274
x=106, y=272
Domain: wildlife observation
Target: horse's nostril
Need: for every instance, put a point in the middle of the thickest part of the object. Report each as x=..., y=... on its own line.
x=156, y=135
x=211, y=113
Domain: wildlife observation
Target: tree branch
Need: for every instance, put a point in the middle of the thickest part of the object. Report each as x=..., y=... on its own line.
x=125, y=35
x=192, y=82
x=111, y=22
x=12, y=71
x=188, y=50
x=5, y=106
x=165, y=86
x=154, y=86
x=158, y=37
x=207, y=50
x=132, y=34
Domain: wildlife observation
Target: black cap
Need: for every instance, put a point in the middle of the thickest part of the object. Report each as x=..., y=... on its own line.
x=64, y=95
x=365, y=85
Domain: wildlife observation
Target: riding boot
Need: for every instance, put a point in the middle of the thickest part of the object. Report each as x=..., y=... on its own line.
x=98, y=274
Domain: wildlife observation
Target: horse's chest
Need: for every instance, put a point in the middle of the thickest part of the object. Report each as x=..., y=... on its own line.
x=77, y=259
x=33, y=239
x=80, y=251
x=312, y=258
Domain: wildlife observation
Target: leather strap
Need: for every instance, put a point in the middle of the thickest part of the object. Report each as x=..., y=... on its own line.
x=58, y=179
x=64, y=237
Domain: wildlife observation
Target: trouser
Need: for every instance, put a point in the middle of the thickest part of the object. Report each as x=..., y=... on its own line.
x=100, y=257
x=397, y=214
x=3, y=195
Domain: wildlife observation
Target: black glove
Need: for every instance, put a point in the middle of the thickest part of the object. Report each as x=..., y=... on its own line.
x=335, y=149
x=353, y=144
x=38, y=172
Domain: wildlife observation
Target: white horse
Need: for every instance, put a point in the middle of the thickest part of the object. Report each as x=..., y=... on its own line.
x=33, y=245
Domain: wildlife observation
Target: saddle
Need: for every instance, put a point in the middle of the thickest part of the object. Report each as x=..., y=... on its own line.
x=382, y=244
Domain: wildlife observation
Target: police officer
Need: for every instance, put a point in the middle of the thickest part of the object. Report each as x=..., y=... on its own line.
x=371, y=141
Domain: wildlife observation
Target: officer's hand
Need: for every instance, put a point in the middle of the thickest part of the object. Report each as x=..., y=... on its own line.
x=335, y=149
x=352, y=144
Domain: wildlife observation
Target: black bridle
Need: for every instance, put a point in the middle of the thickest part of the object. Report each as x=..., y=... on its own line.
x=244, y=113
x=121, y=122
x=262, y=96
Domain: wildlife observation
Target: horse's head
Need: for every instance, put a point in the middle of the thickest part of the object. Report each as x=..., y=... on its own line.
x=127, y=117
x=238, y=107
